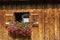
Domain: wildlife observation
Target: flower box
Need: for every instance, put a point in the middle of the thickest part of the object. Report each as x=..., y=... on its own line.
x=19, y=30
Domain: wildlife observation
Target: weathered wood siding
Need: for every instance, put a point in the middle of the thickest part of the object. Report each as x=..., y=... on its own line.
x=48, y=28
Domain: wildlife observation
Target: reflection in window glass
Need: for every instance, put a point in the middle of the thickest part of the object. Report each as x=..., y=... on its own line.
x=25, y=19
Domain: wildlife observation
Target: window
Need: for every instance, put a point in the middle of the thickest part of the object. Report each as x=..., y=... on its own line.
x=22, y=16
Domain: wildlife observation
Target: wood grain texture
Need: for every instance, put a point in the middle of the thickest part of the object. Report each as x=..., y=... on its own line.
x=48, y=28
x=41, y=25
x=46, y=24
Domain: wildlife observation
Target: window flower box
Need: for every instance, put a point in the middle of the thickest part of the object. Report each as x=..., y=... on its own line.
x=19, y=29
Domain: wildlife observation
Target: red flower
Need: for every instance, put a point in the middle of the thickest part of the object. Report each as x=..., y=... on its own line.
x=16, y=32
x=24, y=31
x=23, y=34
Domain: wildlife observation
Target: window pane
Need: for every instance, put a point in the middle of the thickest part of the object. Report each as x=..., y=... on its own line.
x=25, y=19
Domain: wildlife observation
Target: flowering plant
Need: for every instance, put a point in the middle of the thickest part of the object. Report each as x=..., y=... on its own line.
x=20, y=29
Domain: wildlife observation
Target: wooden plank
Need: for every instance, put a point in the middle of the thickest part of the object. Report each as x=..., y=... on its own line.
x=46, y=24
x=41, y=25
x=35, y=33
x=51, y=25
x=57, y=24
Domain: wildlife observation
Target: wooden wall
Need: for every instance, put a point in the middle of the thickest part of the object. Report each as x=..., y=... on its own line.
x=48, y=28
